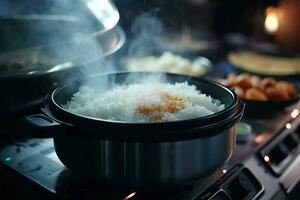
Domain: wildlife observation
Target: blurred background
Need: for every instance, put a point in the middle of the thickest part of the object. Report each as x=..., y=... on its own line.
x=206, y=24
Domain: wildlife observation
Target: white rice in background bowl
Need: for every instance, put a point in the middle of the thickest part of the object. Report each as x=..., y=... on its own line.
x=144, y=102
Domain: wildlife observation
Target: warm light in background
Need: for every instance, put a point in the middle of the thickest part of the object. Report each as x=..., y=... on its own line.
x=267, y=158
x=288, y=125
x=261, y=137
x=295, y=113
x=129, y=196
x=271, y=20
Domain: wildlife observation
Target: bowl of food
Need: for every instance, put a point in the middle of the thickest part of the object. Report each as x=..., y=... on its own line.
x=126, y=128
x=170, y=63
x=262, y=93
x=266, y=63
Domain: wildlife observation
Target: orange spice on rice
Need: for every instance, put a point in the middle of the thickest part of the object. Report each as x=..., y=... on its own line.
x=171, y=104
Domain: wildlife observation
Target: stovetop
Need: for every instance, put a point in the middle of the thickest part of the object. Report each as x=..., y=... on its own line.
x=36, y=160
x=254, y=172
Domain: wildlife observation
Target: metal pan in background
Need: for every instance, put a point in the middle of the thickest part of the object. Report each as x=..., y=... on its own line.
x=27, y=75
x=27, y=24
x=47, y=59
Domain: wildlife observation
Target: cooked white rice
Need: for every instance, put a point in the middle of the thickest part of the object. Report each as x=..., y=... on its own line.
x=144, y=102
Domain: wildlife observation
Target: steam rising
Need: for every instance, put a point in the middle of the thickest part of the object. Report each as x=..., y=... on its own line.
x=147, y=30
x=70, y=27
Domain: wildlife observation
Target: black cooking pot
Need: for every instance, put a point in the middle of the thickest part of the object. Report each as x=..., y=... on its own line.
x=141, y=154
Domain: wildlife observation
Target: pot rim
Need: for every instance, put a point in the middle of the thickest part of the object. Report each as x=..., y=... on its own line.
x=173, y=130
x=207, y=117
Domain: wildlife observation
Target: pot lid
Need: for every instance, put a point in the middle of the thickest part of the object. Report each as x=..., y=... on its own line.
x=101, y=15
x=28, y=24
x=59, y=57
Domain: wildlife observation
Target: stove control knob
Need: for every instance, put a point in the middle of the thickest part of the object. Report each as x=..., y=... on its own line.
x=29, y=167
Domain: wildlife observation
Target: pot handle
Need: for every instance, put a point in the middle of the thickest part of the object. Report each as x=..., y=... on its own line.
x=41, y=125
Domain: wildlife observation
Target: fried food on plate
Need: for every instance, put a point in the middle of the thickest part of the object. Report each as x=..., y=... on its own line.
x=253, y=87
